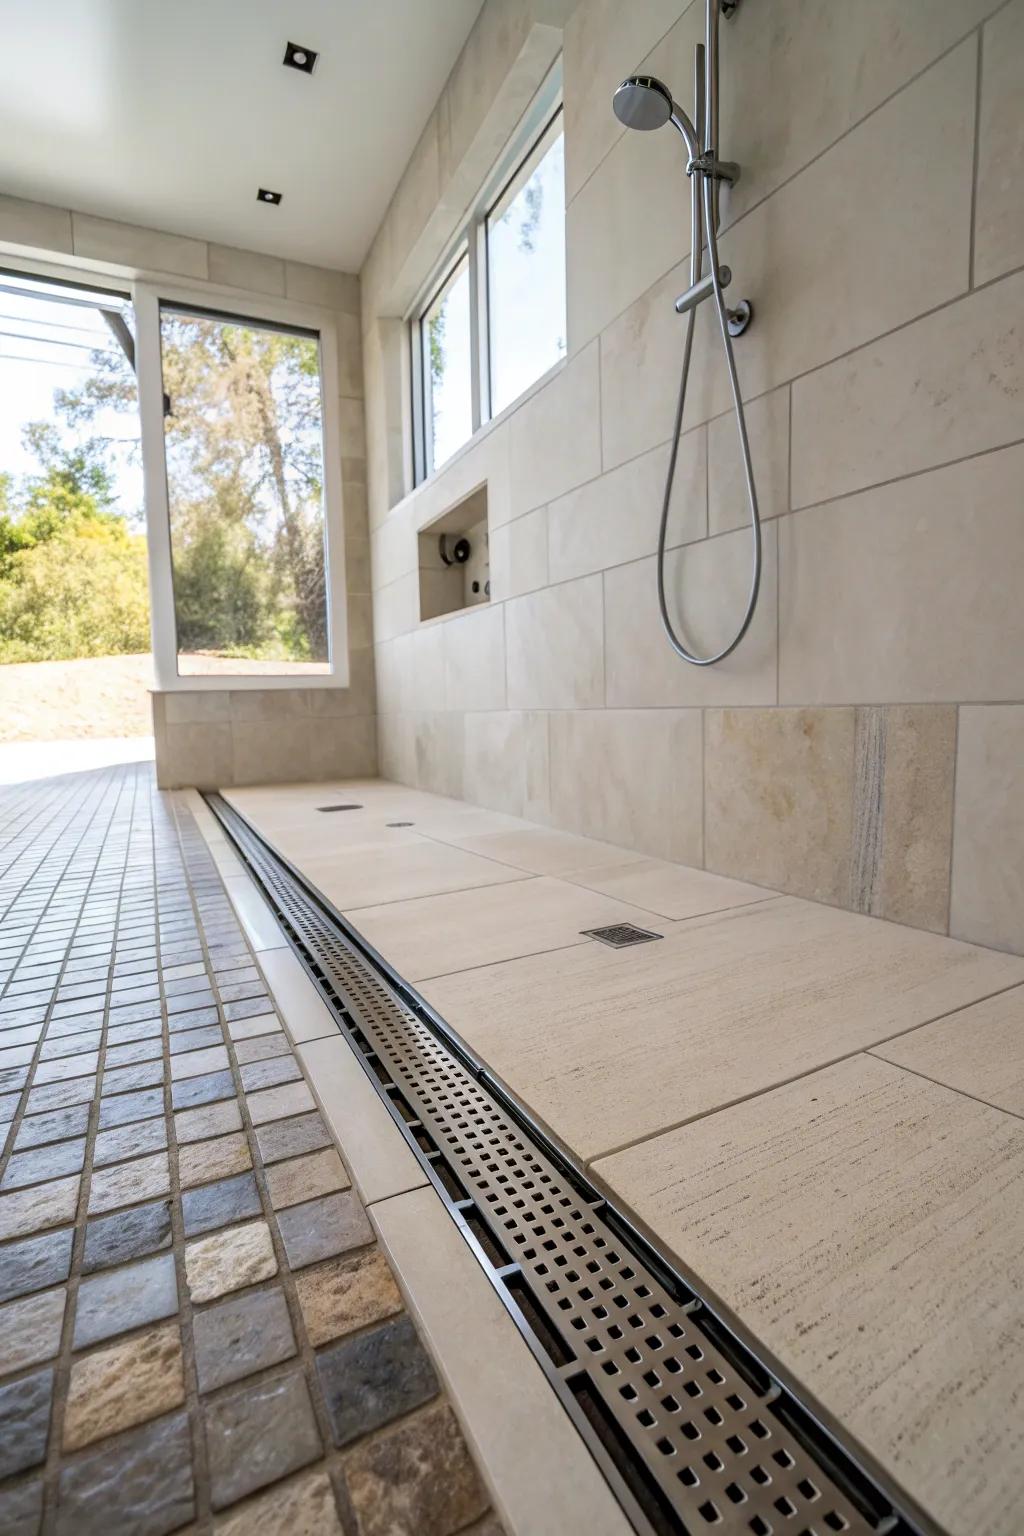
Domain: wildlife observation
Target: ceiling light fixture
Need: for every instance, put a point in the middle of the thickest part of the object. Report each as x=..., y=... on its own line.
x=300, y=58
x=264, y=195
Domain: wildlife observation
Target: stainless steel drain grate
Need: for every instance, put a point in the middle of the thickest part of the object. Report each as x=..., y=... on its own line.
x=621, y=935
x=693, y=1432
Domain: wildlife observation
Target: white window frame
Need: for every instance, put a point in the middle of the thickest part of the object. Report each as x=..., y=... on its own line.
x=146, y=295
x=147, y=298
x=470, y=240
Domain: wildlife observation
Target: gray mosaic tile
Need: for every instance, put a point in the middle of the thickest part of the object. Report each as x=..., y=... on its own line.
x=48, y=1162
x=133, y=1051
x=25, y=1422
x=125, y=1141
x=194, y=1039
x=37, y=1130
x=21, y=1507
x=289, y=1138
x=319, y=1229
x=258, y=1435
x=192, y=1018
x=202, y=1090
x=370, y=1379
x=145, y=1074
x=141, y=1485
x=242, y=1335
x=262, y=1047
x=250, y=1008
x=219, y=1204
x=122, y=1109
x=34, y=1263
x=59, y=1095
x=265, y=1074
x=115, y=1301
x=127, y=1235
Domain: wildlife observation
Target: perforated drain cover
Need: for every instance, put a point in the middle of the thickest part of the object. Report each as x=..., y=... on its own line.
x=621, y=935
x=693, y=1431
x=339, y=807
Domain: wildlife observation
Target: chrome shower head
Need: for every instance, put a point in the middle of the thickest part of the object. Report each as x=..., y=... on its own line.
x=643, y=102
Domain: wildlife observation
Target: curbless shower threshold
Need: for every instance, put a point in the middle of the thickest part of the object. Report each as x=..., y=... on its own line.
x=695, y=1427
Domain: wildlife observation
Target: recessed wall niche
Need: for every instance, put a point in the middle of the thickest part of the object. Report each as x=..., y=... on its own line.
x=454, y=560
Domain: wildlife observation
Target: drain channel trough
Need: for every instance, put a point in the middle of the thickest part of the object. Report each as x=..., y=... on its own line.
x=693, y=1432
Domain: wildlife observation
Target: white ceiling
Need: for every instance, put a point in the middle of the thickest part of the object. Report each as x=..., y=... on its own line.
x=170, y=113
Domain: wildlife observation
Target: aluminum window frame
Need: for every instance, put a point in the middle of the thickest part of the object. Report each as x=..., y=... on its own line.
x=470, y=243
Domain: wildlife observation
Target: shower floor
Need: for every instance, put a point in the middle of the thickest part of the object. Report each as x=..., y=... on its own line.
x=817, y=1114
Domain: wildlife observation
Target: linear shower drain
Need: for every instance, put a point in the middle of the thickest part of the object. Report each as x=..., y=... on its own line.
x=621, y=935
x=693, y=1431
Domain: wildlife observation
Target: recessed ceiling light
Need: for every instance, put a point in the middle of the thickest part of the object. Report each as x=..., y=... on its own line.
x=298, y=57
x=264, y=195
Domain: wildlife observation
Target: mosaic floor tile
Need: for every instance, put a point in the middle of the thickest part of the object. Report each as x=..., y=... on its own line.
x=229, y=1261
x=346, y=1294
x=369, y=1380
x=242, y=1335
x=220, y=1204
x=142, y=1485
x=207, y=1121
x=258, y=1435
x=202, y=1161
x=126, y=1235
x=24, y=1422
x=114, y=1301
x=288, y=1138
x=319, y=1229
x=278, y=1103
x=30, y=1330
x=262, y=1047
x=267, y=1074
x=304, y=1178
x=44, y=1205
x=302, y=1505
x=125, y=1183
x=125, y=1141
x=35, y=1263
x=37, y=1130
x=41, y=1163
x=123, y=1385
x=124, y=1108
x=21, y=1507
x=202, y=1090
x=421, y=1465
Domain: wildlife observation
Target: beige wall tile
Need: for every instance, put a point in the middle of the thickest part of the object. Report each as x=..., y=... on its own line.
x=350, y=355
x=127, y=245
x=506, y=762
x=182, y=708
x=949, y=385
x=555, y=437
x=556, y=648
x=359, y=620
x=318, y=285
x=246, y=269
x=35, y=224
x=904, y=765
x=999, y=208
x=352, y=423
x=474, y=659
x=264, y=753
x=767, y=420
x=987, y=902
x=909, y=591
x=604, y=42
x=641, y=355
x=615, y=518
x=707, y=586
x=519, y=555
x=779, y=793
x=632, y=777
x=396, y=607
x=439, y=752
x=196, y=754
x=343, y=748
x=869, y=1187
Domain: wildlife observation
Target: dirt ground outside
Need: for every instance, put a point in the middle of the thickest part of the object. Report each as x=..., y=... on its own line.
x=101, y=696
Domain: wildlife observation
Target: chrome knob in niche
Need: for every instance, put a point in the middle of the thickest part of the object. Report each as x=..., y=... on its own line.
x=454, y=554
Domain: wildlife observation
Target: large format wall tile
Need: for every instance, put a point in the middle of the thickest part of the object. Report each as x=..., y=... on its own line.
x=506, y=762
x=779, y=798
x=474, y=659
x=631, y=777
x=127, y=244
x=999, y=207
x=615, y=518
x=831, y=1215
x=767, y=420
x=555, y=647
x=988, y=829
x=909, y=591
x=950, y=385
x=707, y=586
x=555, y=438
x=519, y=555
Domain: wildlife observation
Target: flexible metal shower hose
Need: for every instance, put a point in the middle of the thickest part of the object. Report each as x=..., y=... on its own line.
x=755, y=516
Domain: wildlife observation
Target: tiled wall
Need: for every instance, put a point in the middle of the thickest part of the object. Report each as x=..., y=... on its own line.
x=233, y=736
x=865, y=744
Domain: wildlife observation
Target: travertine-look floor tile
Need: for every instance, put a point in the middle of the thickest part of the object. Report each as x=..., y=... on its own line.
x=671, y=890
x=435, y=935
x=609, y=1046
x=32, y=1210
x=199, y=1162
x=345, y=1294
x=30, y=1330
x=280, y=1102
x=122, y=1385
x=847, y=1219
x=979, y=1050
x=365, y=877
x=304, y=1506
x=421, y=1465
x=541, y=851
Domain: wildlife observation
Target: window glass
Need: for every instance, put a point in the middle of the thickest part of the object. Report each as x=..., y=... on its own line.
x=447, y=375
x=244, y=451
x=526, y=272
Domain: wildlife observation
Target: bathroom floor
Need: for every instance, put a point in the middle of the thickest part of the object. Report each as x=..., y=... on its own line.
x=817, y=1114
x=198, y=1326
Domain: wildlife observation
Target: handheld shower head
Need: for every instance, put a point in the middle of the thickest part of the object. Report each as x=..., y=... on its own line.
x=643, y=102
